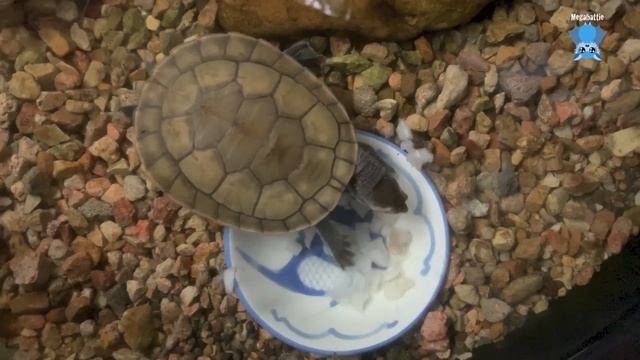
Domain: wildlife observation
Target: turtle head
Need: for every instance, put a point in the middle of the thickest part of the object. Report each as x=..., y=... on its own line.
x=387, y=196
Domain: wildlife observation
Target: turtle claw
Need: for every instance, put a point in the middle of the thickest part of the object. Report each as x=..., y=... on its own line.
x=345, y=257
x=341, y=251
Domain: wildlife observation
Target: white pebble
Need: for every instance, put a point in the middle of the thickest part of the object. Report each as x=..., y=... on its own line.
x=403, y=131
x=637, y=198
x=229, y=277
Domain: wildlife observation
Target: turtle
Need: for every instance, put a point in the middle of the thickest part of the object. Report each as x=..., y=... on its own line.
x=239, y=132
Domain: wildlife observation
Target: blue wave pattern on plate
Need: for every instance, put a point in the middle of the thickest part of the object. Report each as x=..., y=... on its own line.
x=331, y=331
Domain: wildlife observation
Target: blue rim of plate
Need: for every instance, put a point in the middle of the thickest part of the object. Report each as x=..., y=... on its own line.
x=421, y=314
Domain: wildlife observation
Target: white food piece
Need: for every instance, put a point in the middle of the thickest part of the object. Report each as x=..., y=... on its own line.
x=396, y=288
x=359, y=283
x=378, y=253
x=418, y=157
x=388, y=219
x=229, y=277
x=403, y=131
x=407, y=145
x=393, y=271
x=399, y=241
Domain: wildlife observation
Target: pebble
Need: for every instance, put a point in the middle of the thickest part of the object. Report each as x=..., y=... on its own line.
x=385, y=128
x=477, y=208
x=624, y=103
x=619, y=236
x=609, y=8
x=470, y=59
x=562, y=18
x=434, y=327
x=80, y=37
x=482, y=251
x=375, y=76
x=375, y=52
x=29, y=269
x=105, y=148
x=87, y=328
x=425, y=94
x=536, y=198
x=111, y=231
x=134, y=187
x=623, y=142
x=67, y=10
x=520, y=88
x=57, y=250
x=538, y=52
x=528, y=249
x=188, y=294
x=23, y=86
x=556, y=200
x=526, y=13
x=561, y=62
x=629, y=51
x=135, y=290
x=77, y=266
x=50, y=100
x=467, y=293
x=56, y=36
x=78, y=308
x=491, y=79
x=364, y=99
x=504, y=239
x=417, y=122
x=348, y=64
x=611, y=90
x=425, y=49
x=460, y=220
x=499, y=30
x=137, y=327
x=95, y=74
x=590, y=143
x=521, y=288
x=51, y=337
x=455, y=86
x=93, y=208
x=207, y=16
x=494, y=310
x=548, y=5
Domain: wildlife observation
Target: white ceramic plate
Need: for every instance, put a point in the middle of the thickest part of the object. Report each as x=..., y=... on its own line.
x=273, y=274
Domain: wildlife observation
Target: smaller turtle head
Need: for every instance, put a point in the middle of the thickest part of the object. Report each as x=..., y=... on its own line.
x=387, y=196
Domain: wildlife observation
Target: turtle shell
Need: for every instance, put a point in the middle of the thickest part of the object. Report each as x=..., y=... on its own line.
x=241, y=133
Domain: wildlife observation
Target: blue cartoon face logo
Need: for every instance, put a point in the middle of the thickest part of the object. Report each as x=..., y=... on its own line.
x=587, y=39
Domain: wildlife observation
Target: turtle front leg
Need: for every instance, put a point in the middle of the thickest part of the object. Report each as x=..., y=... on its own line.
x=338, y=244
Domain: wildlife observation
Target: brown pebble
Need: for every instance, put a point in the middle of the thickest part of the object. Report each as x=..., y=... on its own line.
x=442, y=154
x=77, y=267
x=33, y=322
x=620, y=232
x=56, y=315
x=31, y=302
x=424, y=48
